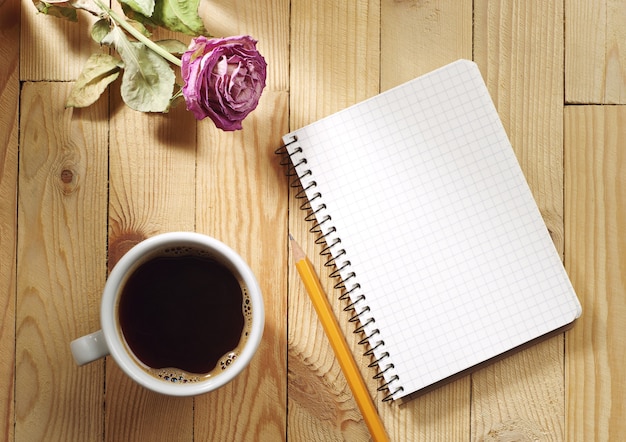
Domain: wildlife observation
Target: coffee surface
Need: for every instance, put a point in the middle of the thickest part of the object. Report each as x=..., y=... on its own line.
x=183, y=312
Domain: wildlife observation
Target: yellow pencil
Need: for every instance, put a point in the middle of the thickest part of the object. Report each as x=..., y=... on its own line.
x=338, y=343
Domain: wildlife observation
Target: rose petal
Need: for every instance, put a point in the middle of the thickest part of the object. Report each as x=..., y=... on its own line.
x=224, y=79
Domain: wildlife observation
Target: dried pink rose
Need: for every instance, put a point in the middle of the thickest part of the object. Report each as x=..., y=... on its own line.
x=224, y=79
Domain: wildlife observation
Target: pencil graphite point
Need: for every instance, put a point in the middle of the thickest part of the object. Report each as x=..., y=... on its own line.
x=296, y=251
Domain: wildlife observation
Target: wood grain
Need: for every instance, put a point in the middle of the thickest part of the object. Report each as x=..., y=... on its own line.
x=61, y=264
x=242, y=201
x=595, y=51
x=595, y=214
x=9, y=103
x=57, y=48
x=343, y=39
x=519, y=48
x=266, y=21
x=419, y=36
x=152, y=187
x=334, y=57
x=108, y=177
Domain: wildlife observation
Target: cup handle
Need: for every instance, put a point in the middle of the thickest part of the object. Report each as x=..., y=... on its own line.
x=90, y=347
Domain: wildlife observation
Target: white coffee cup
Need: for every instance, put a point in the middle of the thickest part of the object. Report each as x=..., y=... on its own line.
x=110, y=339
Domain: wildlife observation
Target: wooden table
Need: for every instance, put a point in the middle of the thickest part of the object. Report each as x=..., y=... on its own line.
x=79, y=187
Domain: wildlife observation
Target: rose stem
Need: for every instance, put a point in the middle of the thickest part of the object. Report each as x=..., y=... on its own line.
x=139, y=36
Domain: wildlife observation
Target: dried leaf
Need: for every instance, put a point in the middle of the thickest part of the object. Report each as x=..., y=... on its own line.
x=67, y=5
x=172, y=46
x=60, y=10
x=139, y=26
x=148, y=80
x=177, y=98
x=100, y=29
x=144, y=7
x=87, y=5
x=179, y=16
x=99, y=71
x=175, y=15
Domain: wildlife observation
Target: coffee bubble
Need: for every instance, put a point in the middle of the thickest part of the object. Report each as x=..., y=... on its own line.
x=173, y=375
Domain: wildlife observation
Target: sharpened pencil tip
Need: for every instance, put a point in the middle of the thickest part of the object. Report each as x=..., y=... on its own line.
x=296, y=250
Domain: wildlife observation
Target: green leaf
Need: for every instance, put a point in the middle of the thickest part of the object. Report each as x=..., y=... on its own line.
x=62, y=10
x=172, y=46
x=100, y=29
x=144, y=7
x=148, y=80
x=179, y=16
x=99, y=71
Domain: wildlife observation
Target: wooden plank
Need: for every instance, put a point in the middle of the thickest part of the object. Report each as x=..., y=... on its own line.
x=9, y=103
x=266, y=21
x=585, y=57
x=334, y=63
x=417, y=37
x=334, y=56
x=595, y=219
x=242, y=201
x=152, y=190
x=519, y=48
x=595, y=51
x=53, y=48
x=61, y=264
x=615, y=47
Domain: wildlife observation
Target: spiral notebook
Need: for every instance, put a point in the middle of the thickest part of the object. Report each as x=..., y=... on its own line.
x=432, y=227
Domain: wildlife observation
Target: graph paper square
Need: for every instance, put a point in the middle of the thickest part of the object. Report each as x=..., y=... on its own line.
x=438, y=224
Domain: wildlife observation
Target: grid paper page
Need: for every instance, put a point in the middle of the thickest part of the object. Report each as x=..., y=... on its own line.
x=438, y=224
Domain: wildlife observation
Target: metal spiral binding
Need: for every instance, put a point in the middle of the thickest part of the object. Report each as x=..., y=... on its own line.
x=332, y=252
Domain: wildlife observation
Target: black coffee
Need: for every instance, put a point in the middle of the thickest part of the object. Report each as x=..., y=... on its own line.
x=182, y=312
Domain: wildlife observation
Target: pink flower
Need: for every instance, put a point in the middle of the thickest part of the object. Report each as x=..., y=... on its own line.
x=224, y=79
